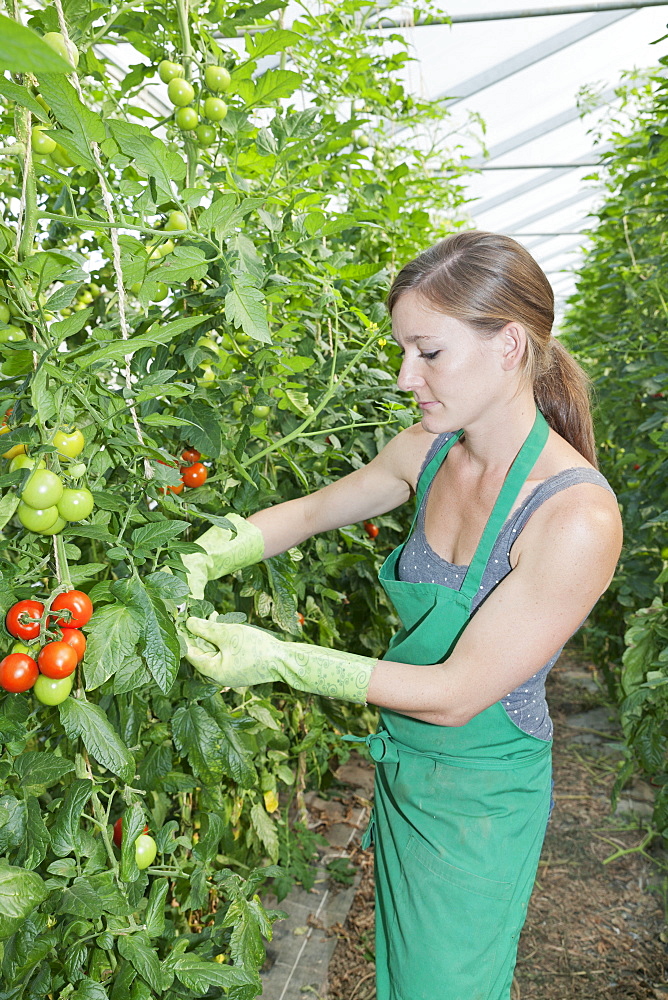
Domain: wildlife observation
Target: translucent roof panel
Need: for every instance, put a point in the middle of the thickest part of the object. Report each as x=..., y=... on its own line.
x=524, y=76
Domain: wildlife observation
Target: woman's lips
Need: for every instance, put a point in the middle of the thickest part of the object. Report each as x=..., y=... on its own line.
x=427, y=405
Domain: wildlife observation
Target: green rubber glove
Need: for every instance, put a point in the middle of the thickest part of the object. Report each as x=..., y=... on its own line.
x=225, y=553
x=243, y=656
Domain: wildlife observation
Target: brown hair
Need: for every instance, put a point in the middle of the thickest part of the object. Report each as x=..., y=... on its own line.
x=487, y=280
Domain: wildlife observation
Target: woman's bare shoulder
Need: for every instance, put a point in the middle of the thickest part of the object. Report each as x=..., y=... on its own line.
x=407, y=451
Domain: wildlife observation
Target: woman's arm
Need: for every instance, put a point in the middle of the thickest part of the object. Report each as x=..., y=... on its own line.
x=385, y=483
x=568, y=554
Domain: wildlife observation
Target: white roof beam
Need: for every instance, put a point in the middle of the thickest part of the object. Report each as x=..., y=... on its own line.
x=512, y=15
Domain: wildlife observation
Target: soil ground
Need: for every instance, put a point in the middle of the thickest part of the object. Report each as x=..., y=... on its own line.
x=596, y=927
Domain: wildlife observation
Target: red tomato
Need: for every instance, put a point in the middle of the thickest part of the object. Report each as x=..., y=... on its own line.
x=371, y=529
x=16, y=619
x=172, y=489
x=300, y=619
x=118, y=831
x=18, y=672
x=57, y=659
x=191, y=455
x=76, y=639
x=195, y=475
x=78, y=603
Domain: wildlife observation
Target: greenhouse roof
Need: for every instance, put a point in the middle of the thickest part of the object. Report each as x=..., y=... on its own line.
x=522, y=70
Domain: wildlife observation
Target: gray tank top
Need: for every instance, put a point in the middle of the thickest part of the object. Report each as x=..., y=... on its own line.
x=418, y=563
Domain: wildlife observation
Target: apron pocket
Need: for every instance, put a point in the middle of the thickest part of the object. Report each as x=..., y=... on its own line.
x=450, y=931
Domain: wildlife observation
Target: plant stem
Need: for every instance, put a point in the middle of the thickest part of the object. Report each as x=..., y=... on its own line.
x=191, y=149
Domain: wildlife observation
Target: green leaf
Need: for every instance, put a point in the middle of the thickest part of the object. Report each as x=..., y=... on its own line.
x=137, y=949
x=157, y=534
x=65, y=830
x=20, y=892
x=222, y=216
x=132, y=673
x=181, y=265
x=23, y=51
x=148, y=154
x=166, y=586
x=8, y=504
x=198, y=975
x=23, y=97
x=81, y=900
x=211, y=834
x=36, y=842
x=267, y=42
x=84, y=124
x=42, y=399
x=133, y=824
x=273, y=85
x=158, y=334
x=236, y=748
x=244, y=307
x=154, y=917
x=112, y=640
x=88, y=989
x=41, y=767
x=197, y=737
x=159, y=641
x=205, y=434
x=85, y=721
x=265, y=828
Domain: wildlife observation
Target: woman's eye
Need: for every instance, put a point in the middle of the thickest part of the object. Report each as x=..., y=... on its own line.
x=430, y=356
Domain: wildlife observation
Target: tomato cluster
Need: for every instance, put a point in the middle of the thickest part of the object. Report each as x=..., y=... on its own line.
x=49, y=674
x=46, y=504
x=193, y=473
x=182, y=95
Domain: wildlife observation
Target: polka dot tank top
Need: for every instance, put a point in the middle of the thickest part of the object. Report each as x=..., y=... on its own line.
x=526, y=705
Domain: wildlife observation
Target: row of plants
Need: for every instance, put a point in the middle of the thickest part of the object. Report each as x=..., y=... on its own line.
x=616, y=324
x=191, y=322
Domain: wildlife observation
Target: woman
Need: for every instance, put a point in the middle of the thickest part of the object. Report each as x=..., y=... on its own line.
x=516, y=536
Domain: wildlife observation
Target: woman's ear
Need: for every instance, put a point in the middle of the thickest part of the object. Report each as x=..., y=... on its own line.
x=514, y=344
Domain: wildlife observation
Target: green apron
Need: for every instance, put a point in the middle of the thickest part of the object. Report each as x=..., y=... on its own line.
x=459, y=813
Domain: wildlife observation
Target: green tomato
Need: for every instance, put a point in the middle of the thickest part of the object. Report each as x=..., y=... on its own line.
x=37, y=520
x=237, y=406
x=186, y=119
x=75, y=505
x=41, y=143
x=145, y=846
x=69, y=444
x=4, y=308
x=55, y=40
x=664, y=553
x=75, y=471
x=217, y=78
x=55, y=528
x=180, y=92
x=43, y=489
x=261, y=412
x=169, y=70
x=52, y=691
x=215, y=109
x=208, y=375
x=21, y=647
x=84, y=296
x=176, y=221
x=11, y=335
x=62, y=157
x=161, y=292
x=25, y=462
x=206, y=135
x=162, y=251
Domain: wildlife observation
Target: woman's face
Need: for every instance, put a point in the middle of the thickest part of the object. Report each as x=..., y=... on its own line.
x=453, y=372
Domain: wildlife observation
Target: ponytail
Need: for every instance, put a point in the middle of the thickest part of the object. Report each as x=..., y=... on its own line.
x=562, y=394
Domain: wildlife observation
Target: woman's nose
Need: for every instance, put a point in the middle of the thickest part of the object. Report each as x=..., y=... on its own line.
x=408, y=378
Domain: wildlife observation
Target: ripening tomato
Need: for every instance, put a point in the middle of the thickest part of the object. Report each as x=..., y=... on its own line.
x=118, y=831
x=57, y=659
x=16, y=621
x=300, y=619
x=18, y=672
x=76, y=639
x=16, y=449
x=37, y=520
x=180, y=92
x=217, y=78
x=12, y=335
x=75, y=505
x=53, y=690
x=70, y=444
x=190, y=455
x=43, y=489
x=173, y=489
x=261, y=412
x=195, y=475
x=371, y=529
x=55, y=528
x=78, y=603
x=145, y=850
x=215, y=109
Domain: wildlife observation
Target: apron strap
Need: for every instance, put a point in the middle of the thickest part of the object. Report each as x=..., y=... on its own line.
x=523, y=464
